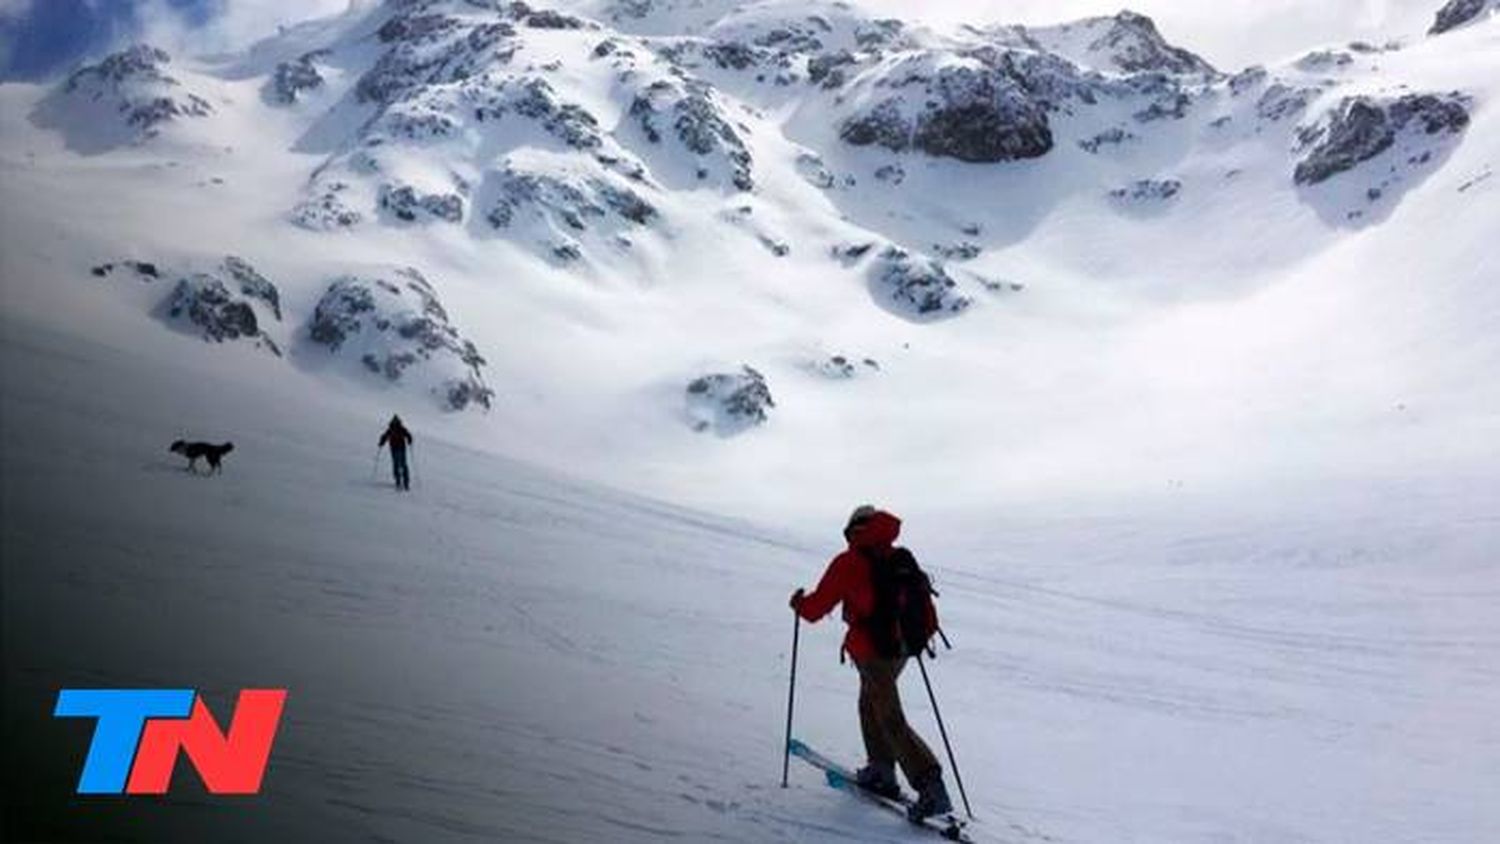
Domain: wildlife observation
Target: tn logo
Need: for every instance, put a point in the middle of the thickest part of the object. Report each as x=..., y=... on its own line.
x=140, y=732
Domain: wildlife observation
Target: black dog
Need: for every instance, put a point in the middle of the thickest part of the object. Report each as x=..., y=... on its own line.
x=214, y=454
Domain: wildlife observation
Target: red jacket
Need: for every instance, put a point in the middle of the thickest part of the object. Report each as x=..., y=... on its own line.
x=847, y=581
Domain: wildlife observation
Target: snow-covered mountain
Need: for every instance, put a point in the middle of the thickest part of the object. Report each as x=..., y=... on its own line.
x=1022, y=229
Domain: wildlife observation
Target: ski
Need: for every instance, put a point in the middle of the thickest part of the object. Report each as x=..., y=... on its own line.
x=948, y=826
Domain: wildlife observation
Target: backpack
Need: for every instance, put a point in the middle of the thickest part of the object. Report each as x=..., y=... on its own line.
x=905, y=618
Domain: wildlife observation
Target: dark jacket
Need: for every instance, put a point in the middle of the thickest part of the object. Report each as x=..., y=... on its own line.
x=396, y=436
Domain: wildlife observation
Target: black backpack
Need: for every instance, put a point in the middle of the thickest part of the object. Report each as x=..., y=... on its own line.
x=905, y=618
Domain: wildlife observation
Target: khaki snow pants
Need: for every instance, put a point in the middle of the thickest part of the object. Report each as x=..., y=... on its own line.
x=888, y=738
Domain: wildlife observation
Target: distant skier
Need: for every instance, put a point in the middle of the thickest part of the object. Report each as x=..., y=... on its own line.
x=398, y=438
x=856, y=578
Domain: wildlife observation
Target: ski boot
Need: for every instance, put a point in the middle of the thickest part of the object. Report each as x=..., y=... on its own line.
x=932, y=798
x=879, y=780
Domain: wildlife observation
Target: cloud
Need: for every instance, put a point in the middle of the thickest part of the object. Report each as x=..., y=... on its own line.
x=209, y=26
x=14, y=9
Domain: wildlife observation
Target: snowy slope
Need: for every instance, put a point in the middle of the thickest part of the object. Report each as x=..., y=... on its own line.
x=508, y=654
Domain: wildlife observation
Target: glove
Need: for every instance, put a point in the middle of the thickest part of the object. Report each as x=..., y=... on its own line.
x=796, y=602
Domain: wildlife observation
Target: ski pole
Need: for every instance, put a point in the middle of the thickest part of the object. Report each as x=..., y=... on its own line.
x=791, y=693
x=375, y=467
x=944, y=732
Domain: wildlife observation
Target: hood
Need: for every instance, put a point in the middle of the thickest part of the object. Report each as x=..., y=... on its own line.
x=879, y=531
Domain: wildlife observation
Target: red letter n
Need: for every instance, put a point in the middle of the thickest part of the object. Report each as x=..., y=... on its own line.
x=231, y=763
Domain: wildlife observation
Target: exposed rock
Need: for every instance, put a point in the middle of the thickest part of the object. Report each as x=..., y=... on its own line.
x=891, y=174
x=811, y=168
x=697, y=122
x=406, y=204
x=1324, y=60
x=850, y=253
x=1173, y=107
x=918, y=287
x=133, y=87
x=995, y=285
x=957, y=251
x=144, y=270
x=1457, y=13
x=1360, y=128
x=1134, y=44
x=326, y=210
x=427, y=48
x=841, y=368
x=563, y=198
x=569, y=122
x=1247, y=79
x=971, y=113
x=294, y=77
x=1113, y=136
x=205, y=303
x=549, y=19
x=252, y=284
x=779, y=248
x=1281, y=101
x=1147, y=190
x=392, y=323
x=733, y=55
x=729, y=402
x=828, y=69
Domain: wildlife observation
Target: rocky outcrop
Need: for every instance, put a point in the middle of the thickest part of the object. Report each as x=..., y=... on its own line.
x=427, y=48
x=292, y=78
x=144, y=270
x=1112, y=137
x=327, y=209
x=689, y=114
x=917, y=287
x=729, y=402
x=252, y=284
x=975, y=114
x=408, y=205
x=135, y=83
x=232, y=302
x=557, y=208
x=1457, y=13
x=1360, y=128
x=394, y=326
x=1132, y=44
x=1146, y=191
x=205, y=304
x=844, y=368
x=125, y=98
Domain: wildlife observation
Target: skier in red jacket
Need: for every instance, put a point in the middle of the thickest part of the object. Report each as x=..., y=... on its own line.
x=871, y=534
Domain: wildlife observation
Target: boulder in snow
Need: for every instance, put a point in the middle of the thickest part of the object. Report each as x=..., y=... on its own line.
x=1147, y=191
x=916, y=286
x=394, y=326
x=1362, y=127
x=222, y=305
x=729, y=402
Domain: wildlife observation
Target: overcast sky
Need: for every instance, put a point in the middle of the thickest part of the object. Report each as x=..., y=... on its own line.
x=39, y=38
